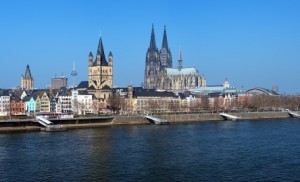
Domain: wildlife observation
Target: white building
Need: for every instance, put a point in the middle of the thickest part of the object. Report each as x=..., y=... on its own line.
x=83, y=102
x=4, y=103
x=64, y=100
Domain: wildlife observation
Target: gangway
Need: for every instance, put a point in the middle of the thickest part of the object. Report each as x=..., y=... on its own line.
x=43, y=121
x=155, y=120
x=49, y=126
x=229, y=116
x=294, y=114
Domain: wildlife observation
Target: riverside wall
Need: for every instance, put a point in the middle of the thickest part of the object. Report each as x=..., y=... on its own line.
x=176, y=118
x=137, y=119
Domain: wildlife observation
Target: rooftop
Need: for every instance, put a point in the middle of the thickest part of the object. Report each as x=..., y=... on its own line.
x=183, y=71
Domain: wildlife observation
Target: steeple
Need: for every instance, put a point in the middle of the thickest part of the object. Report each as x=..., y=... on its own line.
x=165, y=40
x=100, y=52
x=28, y=73
x=179, y=60
x=152, y=40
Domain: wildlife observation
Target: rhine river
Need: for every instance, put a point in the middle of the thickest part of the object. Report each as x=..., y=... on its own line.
x=258, y=150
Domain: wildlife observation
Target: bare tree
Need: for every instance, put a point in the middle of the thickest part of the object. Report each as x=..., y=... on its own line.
x=153, y=105
x=115, y=103
x=172, y=106
x=216, y=103
x=205, y=103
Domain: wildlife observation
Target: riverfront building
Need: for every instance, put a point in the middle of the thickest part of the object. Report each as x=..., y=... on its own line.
x=4, y=103
x=144, y=101
x=159, y=73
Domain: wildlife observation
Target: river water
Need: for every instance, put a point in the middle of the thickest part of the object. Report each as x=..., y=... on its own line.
x=260, y=150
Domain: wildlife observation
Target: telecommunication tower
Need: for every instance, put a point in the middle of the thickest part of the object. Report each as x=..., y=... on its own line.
x=74, y=74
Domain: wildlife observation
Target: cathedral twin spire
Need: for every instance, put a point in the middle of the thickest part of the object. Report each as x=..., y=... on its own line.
x=152, y=46
x=165, y=40
x=156, y=61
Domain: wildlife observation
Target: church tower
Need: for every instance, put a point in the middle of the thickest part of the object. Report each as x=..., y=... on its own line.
x=153, y=64
x=165, y=53
x=27, y=80
x=100, y=71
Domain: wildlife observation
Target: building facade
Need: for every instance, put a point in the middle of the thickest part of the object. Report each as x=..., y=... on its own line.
x=159, y=73
x=136, y=100
x=27, y=81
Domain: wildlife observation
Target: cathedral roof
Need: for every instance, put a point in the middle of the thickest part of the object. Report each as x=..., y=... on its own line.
x=183, y=71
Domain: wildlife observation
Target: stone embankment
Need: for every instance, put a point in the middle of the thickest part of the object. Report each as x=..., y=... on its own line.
x=139, y=119
x=198, y=117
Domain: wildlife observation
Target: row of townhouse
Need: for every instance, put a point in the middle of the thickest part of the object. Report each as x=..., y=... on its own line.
x=24, y=102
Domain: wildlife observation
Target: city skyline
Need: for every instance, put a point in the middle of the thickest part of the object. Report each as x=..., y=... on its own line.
x=252, y=43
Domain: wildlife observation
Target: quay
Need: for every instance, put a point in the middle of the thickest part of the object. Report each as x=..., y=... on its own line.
x=92, y=122
x=70, y=123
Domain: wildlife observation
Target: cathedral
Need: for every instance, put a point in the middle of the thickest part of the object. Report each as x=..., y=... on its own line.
x=159, y=73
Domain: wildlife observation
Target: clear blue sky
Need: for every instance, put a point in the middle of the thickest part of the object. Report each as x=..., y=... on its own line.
x=251, y=42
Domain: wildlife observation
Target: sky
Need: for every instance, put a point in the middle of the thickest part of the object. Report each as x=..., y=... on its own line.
x=252, y=43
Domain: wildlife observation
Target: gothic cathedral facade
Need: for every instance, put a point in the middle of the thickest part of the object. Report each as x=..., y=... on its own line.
x=159, y=73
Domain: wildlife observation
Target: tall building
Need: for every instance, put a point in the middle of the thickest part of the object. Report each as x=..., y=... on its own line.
x=159, y=73
x=27, y=81
x=152, y=67
x=156, y=61
x=100, y=72
x=58, y=82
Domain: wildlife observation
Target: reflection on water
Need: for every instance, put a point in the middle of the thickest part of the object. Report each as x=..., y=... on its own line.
x=214, y=151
